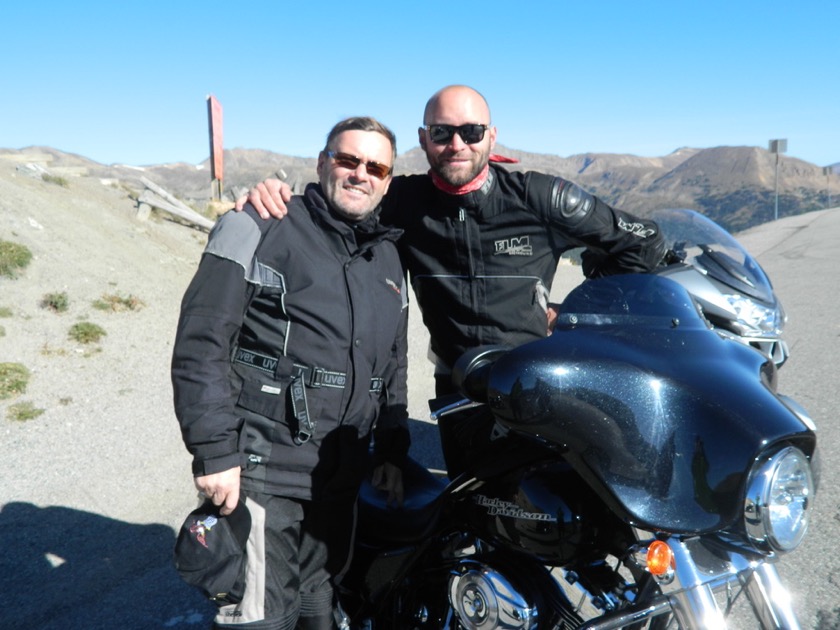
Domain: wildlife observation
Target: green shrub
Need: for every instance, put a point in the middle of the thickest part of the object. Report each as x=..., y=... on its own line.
x=14, y=378
x=86, y=332
x=23, y=411
x=5, y=311
x=13, y=257
x=55, y=179
x=115, y=302
x=56, y=302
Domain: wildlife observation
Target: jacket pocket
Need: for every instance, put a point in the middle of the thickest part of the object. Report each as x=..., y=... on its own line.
x=262, y=405
x=262, y=394
x=266, y=398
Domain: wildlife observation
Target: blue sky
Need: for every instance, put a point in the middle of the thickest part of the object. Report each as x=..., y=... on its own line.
x=126, y=82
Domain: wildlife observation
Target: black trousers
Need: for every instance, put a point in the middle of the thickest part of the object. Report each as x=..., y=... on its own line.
x=295, y=553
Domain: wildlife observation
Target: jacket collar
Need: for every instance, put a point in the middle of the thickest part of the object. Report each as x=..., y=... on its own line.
x=352, y=235
x=475, y=198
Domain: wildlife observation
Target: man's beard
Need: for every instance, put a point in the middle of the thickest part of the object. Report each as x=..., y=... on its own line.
x=456, y=177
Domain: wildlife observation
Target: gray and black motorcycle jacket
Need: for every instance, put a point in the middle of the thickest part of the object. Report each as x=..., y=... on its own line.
x=291, y=345
x=482, y=264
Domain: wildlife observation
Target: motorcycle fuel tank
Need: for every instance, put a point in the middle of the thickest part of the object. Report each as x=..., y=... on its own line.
x=544, y=510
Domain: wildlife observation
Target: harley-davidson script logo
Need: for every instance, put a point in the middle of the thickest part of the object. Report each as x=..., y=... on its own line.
x=497, y=507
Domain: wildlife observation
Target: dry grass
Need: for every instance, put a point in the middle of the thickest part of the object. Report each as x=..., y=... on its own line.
x=13, y=258
x=14, y=378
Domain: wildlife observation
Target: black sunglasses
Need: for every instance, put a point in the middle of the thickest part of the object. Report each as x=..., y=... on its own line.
x=346, y=160
x=470, y=133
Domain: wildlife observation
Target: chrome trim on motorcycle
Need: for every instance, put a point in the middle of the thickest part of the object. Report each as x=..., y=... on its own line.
x=461, y=405
x=778, y=501
x=624, y=618
x=695, y=605
x=484, y=598
x=700, y=572
x=800, y=411
x=771, y=601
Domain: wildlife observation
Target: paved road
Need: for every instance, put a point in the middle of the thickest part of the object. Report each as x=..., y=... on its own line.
x=63, y=567
x=800, y=255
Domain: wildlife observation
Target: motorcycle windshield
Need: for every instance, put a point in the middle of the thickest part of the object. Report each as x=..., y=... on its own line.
x=658, y=413
x=712, y=249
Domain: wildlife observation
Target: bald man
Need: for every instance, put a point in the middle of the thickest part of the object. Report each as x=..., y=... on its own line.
x=481, y=245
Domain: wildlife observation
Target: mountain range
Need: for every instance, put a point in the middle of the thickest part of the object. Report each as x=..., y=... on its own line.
x=735, y=186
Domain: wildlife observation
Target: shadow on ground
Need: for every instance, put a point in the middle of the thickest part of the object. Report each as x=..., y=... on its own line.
x=65, y=568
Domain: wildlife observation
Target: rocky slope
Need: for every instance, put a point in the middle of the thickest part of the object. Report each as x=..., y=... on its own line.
x=736, y=186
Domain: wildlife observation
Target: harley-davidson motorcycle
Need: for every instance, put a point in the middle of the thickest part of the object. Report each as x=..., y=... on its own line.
x=724, y=279
x=645, y=473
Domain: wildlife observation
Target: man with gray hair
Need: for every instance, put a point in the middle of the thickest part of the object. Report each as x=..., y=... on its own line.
x=290, y=352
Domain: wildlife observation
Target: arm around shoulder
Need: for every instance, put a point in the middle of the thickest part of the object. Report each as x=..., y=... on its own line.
x=269, y=199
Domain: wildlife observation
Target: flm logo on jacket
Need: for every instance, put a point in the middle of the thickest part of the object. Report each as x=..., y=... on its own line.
x=515, y=246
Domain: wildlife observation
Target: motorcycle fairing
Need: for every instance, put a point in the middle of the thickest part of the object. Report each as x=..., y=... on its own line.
x=714, y=250
x=650, y=405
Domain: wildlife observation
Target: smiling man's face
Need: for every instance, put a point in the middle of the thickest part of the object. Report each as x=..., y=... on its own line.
x=354, y=192
x=457, y=162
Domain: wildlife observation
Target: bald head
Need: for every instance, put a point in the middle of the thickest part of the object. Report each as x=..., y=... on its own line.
x=457, y=101
x=459, y=149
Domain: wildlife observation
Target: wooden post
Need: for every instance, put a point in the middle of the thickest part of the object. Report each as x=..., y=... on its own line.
x=157, y=197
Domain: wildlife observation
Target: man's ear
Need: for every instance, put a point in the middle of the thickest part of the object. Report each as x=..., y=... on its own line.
x=492, y=131
x=421, y=135
x=322, y=158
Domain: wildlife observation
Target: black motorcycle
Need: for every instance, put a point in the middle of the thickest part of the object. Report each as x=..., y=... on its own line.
x=645, y=474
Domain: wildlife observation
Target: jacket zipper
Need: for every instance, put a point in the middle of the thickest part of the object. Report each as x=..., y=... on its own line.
x=462, y=217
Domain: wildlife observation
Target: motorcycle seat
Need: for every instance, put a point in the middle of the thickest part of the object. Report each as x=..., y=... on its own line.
x=410, y=521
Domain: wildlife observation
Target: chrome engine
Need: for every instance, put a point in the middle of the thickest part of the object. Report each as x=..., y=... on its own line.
x=483, y=598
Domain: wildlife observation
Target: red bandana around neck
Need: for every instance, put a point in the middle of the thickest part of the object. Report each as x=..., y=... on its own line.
x=472, y=185
x=476, y=183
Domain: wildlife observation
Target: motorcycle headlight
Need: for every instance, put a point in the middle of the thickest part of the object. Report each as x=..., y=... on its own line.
x=756, y=319
x=778, y=502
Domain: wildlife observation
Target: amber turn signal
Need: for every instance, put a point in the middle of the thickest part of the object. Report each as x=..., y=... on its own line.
x=660, y=558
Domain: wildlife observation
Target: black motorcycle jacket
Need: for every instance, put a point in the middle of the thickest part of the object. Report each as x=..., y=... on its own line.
x=291, y=344
x=482, y=264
